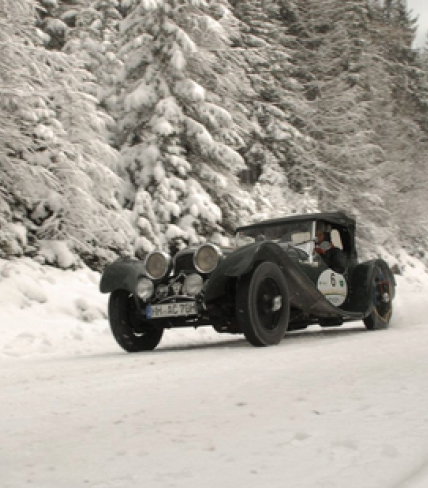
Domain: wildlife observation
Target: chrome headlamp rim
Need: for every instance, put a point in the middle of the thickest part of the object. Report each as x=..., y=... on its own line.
x=217, y=251
x=167, y=267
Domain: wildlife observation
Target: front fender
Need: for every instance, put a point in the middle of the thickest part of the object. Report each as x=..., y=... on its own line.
x=242, y=261
x=235, y=265
x=121, y=274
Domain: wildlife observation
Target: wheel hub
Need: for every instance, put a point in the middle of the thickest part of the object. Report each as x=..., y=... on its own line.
x=276, y=303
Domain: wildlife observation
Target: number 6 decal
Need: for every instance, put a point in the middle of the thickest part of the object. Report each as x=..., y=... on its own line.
x=333, y=287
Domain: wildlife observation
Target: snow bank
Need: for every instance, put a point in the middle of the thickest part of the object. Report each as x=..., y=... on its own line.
x=45, y=310
x=411, y=302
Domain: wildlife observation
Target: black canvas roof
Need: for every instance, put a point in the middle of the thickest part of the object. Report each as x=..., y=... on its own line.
x=338, y=218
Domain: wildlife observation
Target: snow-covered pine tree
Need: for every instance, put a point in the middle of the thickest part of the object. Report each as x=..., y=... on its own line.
x=332, y=60
x=87, y=29
x=396, y=24
x=178, y=144
x=52, y=28
x=92, y=36
x=58, y=184
x=277, y=152
x=401, y=121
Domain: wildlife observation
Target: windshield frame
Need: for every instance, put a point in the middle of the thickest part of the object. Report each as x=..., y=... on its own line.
x=276, y=232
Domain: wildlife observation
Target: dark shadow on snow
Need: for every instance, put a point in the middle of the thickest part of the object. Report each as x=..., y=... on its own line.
x=238, y=342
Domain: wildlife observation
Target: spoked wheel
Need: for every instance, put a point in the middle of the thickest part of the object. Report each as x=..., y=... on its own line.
x=262, y=305
x=130, y=331
x=382, y=292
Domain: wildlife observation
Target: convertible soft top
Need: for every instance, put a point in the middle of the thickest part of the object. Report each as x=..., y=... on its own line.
x=338, y=218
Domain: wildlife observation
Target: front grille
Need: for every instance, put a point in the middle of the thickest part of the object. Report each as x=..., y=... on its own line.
x=184, y=262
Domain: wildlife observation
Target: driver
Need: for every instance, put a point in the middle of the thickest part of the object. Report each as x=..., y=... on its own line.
x=333, y=257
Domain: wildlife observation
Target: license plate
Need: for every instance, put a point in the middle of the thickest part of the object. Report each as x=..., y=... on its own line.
x=171, y=310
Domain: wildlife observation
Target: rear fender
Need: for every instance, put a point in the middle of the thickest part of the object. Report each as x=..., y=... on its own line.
x=360, y=285
x=121, y=274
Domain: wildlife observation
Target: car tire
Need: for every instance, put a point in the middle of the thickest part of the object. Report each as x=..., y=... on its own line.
x=131, y=332
x=256, y=295
x=382, y=293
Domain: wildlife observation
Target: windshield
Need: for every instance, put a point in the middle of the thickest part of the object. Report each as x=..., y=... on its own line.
x=297, y=234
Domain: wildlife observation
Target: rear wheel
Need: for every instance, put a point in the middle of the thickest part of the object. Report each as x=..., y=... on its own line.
x=382, y=292
x=262, y=305
x=130, y=331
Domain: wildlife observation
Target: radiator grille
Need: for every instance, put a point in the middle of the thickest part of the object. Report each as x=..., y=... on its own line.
x=184, y=262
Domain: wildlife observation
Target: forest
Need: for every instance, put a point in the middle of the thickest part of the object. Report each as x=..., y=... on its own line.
x=139, y=124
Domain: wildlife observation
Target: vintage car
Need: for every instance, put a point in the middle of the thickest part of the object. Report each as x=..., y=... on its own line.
x=269, y=283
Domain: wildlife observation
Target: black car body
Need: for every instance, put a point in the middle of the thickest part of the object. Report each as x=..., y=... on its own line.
x=269, y=283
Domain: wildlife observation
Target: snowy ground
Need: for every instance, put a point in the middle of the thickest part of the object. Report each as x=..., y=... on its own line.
x=336, y=408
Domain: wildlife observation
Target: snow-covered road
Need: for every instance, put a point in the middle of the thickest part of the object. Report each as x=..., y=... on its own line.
x=336, y=408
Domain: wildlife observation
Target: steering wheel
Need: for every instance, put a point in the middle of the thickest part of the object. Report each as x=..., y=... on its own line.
x=301, y=254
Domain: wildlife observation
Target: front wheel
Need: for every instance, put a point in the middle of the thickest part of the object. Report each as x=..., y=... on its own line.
x=262, y=305
x=130, y=331
x=382, y=293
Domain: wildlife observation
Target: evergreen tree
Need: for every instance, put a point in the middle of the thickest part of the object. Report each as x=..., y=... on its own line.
x=279, y=155
x=397, y=25
x=92, y=37
x=399, y=116
x=87, y=29
x=58, y=180
x=332, y=66
x=177, y=142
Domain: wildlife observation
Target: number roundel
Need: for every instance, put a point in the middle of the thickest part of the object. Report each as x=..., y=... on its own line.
x=333, y=286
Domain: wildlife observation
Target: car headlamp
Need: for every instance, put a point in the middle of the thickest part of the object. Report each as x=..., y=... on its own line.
x=206, y=258
x=193, y=284
x=144, y=289
x=157, y=265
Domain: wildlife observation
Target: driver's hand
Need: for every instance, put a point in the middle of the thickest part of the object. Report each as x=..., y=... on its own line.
x=323, y=247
